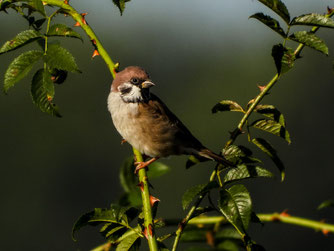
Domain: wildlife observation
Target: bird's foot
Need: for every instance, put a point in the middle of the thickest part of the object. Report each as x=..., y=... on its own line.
x=142, y=164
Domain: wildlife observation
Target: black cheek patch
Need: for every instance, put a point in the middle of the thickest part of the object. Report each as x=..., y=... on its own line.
x=125, y=89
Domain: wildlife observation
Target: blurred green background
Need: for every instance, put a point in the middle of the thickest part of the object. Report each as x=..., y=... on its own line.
x=198, y=53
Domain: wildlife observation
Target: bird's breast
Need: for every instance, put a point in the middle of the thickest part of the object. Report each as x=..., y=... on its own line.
x=135, y=126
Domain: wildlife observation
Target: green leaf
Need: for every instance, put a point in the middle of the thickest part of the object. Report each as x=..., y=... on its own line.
x=112, y=231
x=271, y=112
x=20, y=67
x=38, y=6
x=63, y=31
x=120, y=4
x=228, y=245
x=310, y=40
x=313, y=19
x=284, y=58
x=197, y=190
x=239, y=154
x=19, y=40
x=194, y=235
x=42, y=92
x=271, y=152
x=325, y=204
x=236, y=206
x=128, y=241
x=227, y=105
x=157, y=169
x=60, y=58
x=270, y=22
x=273, y=127
x=245, y=172
x=278, y=7
x=101, y=215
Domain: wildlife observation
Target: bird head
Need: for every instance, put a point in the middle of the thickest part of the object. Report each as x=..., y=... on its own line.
x=132, y=84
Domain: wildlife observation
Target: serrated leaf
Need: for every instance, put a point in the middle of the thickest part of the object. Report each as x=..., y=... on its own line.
x=325, y=204
x=63, y=31
x=271, y=152
x=245, y=172
x=236, y=206
x=42, y=92
x=313, y=19
x=60, y=58
x=120, y=4
x=197, y=190
x=284, y=58
x=38, y=6
x=19, y=40
x=101, y=215
x=239, y=154
x=20, y=67
x=157, y=169
x=279, y=8
x=310, y=40
x=271, y=112
x=127, y=242
x=112, y=231
x=227, y=105
x=273, y=127
x=270, y=22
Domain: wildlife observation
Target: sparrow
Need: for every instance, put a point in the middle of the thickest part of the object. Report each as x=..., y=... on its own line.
x=147, y=124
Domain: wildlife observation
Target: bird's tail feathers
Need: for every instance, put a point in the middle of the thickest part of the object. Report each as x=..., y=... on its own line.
x=206, y=153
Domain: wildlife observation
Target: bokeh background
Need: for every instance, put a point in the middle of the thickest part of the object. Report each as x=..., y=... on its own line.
x=198, y=53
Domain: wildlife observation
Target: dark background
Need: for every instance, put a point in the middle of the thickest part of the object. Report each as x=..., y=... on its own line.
x=198, y=53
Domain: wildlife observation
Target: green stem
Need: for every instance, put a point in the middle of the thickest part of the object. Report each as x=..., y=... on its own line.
x=235, y=134
x=147, y=210
x=92, y=36
x=274, y=217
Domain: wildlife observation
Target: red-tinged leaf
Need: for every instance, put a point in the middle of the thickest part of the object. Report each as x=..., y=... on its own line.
x=20, y=67
x=311, y=40
x=313, y=19
x=20, y=40
x=227, y=105
x=279, y=8
x=273, y=127
x=62, y=30
x=42, y=92
x=271, y=152
x=270, y=22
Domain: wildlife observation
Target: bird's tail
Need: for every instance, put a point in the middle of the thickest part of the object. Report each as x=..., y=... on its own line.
x=206, y=153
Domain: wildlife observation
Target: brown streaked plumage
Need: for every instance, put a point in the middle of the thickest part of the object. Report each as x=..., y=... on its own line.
x=146, y=123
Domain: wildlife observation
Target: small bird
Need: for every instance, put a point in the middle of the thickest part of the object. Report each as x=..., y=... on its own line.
x=147, y=124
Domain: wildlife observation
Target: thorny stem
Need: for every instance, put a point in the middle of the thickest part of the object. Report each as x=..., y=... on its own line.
x=92, y=36
x=148, y=219
x=147, y=210
x=274, y=217
x=234, y=136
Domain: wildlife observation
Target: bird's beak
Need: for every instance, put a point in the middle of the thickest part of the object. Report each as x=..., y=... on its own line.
x=147, y=84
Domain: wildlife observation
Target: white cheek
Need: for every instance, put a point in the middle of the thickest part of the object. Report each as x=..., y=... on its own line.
x=134, y=95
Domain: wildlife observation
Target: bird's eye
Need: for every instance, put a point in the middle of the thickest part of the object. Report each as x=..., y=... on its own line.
x=135, y=81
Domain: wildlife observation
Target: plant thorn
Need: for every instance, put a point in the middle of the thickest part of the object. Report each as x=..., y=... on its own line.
x=95, y=53
x=123, y=141
x=329, y=10
x=141, y=186
x=285, y=213
x=153, y=200
x=210, y=240
x=148, y=231
x=66, y=1
x=261, y=87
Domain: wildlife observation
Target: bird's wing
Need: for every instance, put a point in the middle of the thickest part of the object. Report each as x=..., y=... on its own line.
x=181, y=133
